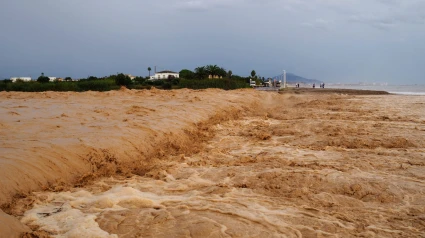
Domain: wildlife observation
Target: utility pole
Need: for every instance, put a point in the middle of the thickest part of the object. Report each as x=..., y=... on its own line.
x=283, y=85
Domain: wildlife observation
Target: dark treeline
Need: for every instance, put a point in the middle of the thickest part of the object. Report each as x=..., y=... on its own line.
x=77, y=86
x=209, y=76
x=225, y=83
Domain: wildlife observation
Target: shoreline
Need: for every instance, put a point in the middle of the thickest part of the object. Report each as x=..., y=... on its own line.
x=333, y=90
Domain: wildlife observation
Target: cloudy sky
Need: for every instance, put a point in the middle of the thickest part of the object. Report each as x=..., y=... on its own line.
x=329, y=40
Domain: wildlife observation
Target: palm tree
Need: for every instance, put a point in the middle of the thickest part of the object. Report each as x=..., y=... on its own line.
x=200, y=72
x=221, y=72
x=253, y=73
x=229, y=74
x=212, y=70
x=149, y=69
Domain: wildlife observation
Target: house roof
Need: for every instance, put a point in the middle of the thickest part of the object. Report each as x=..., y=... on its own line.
x=166, y=71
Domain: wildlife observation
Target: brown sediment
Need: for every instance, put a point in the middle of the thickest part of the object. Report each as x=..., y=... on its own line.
x=238, y=164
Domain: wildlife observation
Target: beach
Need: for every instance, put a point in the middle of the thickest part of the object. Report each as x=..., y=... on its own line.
x=199, y=163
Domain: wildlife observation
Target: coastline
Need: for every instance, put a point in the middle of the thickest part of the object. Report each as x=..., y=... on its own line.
x=333, y=91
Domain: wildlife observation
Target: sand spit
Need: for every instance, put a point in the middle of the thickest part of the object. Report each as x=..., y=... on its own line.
x=309, y=165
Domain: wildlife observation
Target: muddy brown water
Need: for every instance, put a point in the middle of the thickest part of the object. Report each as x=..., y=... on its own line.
x=315, y=166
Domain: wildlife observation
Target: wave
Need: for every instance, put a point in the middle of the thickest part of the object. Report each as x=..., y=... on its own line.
x=409, y=93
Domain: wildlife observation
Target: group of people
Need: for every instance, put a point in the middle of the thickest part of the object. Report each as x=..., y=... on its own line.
x=322, y=85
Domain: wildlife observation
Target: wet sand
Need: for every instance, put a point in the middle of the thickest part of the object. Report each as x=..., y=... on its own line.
x=212, y=163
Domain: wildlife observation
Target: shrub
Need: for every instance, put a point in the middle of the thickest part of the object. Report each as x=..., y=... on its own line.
x=122, y=80
x=94, y=85
x=175, y=81
x=226, y=84
x=139, y=80
x=43, y=79
x=167, y=85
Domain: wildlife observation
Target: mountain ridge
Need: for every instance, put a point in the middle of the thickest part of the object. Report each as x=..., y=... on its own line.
x=293, y=78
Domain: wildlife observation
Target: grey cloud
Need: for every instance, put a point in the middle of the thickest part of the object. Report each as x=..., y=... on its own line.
x=319, y=23
x=388, y=14
x=388, y=22
x=374, y=21
x=324, y=39
x=194, y=5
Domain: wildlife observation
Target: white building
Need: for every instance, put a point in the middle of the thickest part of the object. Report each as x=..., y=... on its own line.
x=51, y=79
x=131, y=76
x=164, y=75
x=25, y=79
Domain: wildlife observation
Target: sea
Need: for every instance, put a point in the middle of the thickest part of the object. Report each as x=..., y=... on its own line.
x=394, y=89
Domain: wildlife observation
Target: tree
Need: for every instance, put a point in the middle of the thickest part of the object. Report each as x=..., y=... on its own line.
x=212, y=70
x=43, y=79
x=186, y=74
x=92, y=78
x=68, y=79
x=149, y=69
x=122, y=80
x=229, y=74
x=139, y=80
x=222, y=72
x=201, y=73
x=253, y=73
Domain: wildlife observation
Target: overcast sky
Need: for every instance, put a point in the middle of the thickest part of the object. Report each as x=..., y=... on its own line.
x=329, y=40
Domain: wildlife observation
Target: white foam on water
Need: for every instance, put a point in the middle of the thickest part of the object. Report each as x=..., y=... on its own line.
x=74, y=214
x=409, y=93
x=77, y=214
x=67, y=222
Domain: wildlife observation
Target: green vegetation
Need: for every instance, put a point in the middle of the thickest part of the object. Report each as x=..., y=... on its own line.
x=121, y=79
x=187, y=74
x=227, y=84
x=204, y=71
x=253, y=73
x=78, y=86
x=197, y=79
x=43, y=79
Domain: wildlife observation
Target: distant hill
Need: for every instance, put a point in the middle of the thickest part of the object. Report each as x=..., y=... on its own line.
x=292, y=78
